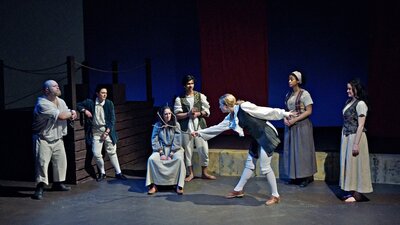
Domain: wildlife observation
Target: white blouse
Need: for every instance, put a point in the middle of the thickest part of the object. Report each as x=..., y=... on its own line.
x=260, y=112
x=361, y=108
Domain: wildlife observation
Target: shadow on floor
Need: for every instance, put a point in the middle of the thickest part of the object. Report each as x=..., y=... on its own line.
x=15, y=191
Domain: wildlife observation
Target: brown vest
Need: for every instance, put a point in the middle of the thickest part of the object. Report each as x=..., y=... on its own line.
x=186, y=108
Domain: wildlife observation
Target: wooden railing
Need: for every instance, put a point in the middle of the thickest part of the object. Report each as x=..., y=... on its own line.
x=133, y=125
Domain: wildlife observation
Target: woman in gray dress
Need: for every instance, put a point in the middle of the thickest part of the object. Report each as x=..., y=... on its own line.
x=355, y=173
x=299, y=152
x=166, y=166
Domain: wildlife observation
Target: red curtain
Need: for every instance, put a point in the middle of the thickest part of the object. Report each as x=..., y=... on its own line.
x=383, y=69
x=233, y=51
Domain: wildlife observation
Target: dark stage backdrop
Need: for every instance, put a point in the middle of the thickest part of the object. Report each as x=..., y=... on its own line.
x=384, y=66
x=130, y=31
x=233, y=51
x=37, y=35
x=326, y=40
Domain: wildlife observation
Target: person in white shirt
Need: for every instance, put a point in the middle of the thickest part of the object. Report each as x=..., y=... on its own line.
x=244, y=115
x=355, y=171
x=191, y=109
x=100, y=130
x=49, y=127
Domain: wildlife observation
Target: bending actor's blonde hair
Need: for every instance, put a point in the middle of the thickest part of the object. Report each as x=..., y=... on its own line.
x=228, y=100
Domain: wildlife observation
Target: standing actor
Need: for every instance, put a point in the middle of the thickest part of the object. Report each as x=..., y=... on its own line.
x=100, y=130
x=355, y=171
x=190, y=109
x=299, y=160
x=49, y=127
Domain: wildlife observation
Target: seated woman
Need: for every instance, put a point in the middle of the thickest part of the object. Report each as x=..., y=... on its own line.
x=166, y=166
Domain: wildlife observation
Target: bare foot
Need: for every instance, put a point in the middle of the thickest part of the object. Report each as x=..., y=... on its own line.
x=152, y=190
x=208, y=176
x=351, y=199
x=179, y=190
x=189, y=178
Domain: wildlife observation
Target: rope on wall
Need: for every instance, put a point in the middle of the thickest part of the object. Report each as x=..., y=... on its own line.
x=110, y=71
x=41, y=71
x=48, y=71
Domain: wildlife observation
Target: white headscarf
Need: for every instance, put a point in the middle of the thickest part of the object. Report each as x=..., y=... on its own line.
x=298, y=75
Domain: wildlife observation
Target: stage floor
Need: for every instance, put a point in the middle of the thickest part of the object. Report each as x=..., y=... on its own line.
x=126, y=202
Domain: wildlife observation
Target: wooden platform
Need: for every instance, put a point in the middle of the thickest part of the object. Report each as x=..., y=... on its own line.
x=385, y=168
x=133, y=127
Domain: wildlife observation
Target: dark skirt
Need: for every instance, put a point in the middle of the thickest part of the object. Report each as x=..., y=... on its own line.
x=299, y=159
